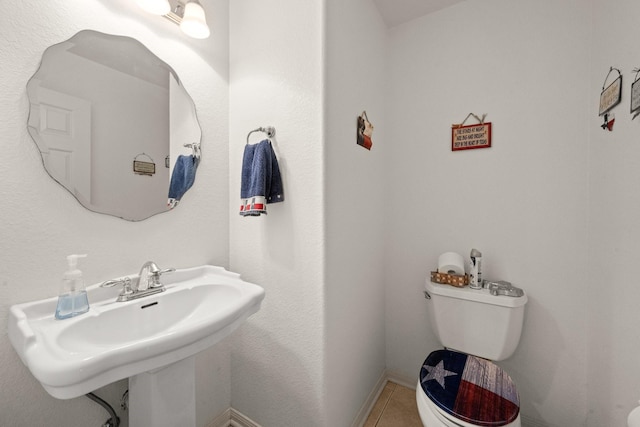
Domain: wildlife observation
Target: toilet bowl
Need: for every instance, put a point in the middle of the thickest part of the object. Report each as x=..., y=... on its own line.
x=459, y=385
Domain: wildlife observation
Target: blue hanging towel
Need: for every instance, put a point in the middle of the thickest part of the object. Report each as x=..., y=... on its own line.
x=182, y=178
x=261, y=179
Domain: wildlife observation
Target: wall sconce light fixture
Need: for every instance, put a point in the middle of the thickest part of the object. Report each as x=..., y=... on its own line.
x=188, y=14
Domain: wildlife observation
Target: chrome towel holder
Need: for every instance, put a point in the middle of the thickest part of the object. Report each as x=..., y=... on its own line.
x=269, y=130
x=195, y=146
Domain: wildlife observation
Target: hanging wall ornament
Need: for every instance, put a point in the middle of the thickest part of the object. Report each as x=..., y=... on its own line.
x=142, y=167
x=610, y=97
x=635, y=95
x=471, y=136
x=365, y=130
x=609, y=120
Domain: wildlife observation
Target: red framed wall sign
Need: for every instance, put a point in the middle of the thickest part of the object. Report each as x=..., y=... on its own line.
x=471, y=136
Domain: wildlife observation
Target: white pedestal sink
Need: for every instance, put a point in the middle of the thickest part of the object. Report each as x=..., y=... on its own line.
x=151, y=340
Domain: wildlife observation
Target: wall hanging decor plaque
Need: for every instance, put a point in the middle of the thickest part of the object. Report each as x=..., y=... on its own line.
x=610, y=97
x=612, y=94
x=142, y=167
x=635, y=95
x=364, y=131
x=471, y=136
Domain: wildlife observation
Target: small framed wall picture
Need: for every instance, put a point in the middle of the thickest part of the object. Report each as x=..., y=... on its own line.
x=611, y=95
x=364, y=131
x=471, y=136
x=635, y=94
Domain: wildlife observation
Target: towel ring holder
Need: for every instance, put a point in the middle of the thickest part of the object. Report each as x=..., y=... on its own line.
x=269, y=130
x=195, y=146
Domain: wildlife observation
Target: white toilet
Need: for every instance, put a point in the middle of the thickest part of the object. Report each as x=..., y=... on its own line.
x=458, y=386
x=634, y=418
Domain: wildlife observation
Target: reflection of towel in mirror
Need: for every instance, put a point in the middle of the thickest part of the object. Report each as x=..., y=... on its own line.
x=261, y=180
x=182, y=178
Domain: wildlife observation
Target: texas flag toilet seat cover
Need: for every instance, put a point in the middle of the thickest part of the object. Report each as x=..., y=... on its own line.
x=471, y=389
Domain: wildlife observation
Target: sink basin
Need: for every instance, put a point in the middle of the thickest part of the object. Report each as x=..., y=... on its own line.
x=117, y=340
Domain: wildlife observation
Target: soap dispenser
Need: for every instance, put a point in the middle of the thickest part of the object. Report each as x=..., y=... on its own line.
x=73, y=296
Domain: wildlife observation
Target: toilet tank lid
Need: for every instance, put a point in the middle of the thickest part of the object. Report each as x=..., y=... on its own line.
x=477, y=295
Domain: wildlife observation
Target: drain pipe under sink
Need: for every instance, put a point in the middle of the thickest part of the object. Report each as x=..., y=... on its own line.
x=114, y=421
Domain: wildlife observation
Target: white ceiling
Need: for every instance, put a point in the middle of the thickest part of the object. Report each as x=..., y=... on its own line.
x=396, y=12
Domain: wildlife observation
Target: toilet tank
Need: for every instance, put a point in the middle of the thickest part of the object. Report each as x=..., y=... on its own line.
x=474, y=321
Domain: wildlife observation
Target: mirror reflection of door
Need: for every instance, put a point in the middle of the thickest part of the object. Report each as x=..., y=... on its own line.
x=64, y=122
x=97, y=103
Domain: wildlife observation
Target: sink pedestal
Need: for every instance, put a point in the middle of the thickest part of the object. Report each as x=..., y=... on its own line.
x=164, y=397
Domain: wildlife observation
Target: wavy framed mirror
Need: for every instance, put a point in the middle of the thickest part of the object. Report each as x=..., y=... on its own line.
x=110, y=120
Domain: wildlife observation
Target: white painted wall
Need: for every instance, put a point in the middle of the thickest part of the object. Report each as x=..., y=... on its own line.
x=355, y=187
x=276, y=78
x=614, y=174
x=551, y=204
x=523, y=203
x=41, y=223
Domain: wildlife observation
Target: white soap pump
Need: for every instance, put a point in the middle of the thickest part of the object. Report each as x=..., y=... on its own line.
x=73, y=296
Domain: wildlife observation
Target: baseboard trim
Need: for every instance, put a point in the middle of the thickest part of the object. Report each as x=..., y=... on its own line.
x=369, y=403
x=221, y=420
x=240, y=420
x=232, y=418
x=402, y=380
x=371, y=400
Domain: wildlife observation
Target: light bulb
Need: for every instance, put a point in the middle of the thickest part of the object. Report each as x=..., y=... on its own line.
x=157, y=7
x=194, y=23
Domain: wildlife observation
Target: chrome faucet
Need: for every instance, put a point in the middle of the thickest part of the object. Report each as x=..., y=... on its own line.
x=147, y=283
x=149, y=276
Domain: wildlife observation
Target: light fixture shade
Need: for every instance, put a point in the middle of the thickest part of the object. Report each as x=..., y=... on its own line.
x=157, y=7
x=194, y=23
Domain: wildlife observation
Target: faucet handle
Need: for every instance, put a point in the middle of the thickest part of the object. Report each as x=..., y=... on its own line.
x=126, y=287
x=155, y=282
x=125, y=281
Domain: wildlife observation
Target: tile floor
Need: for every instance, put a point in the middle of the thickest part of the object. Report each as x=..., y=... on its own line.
x=396, y=407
